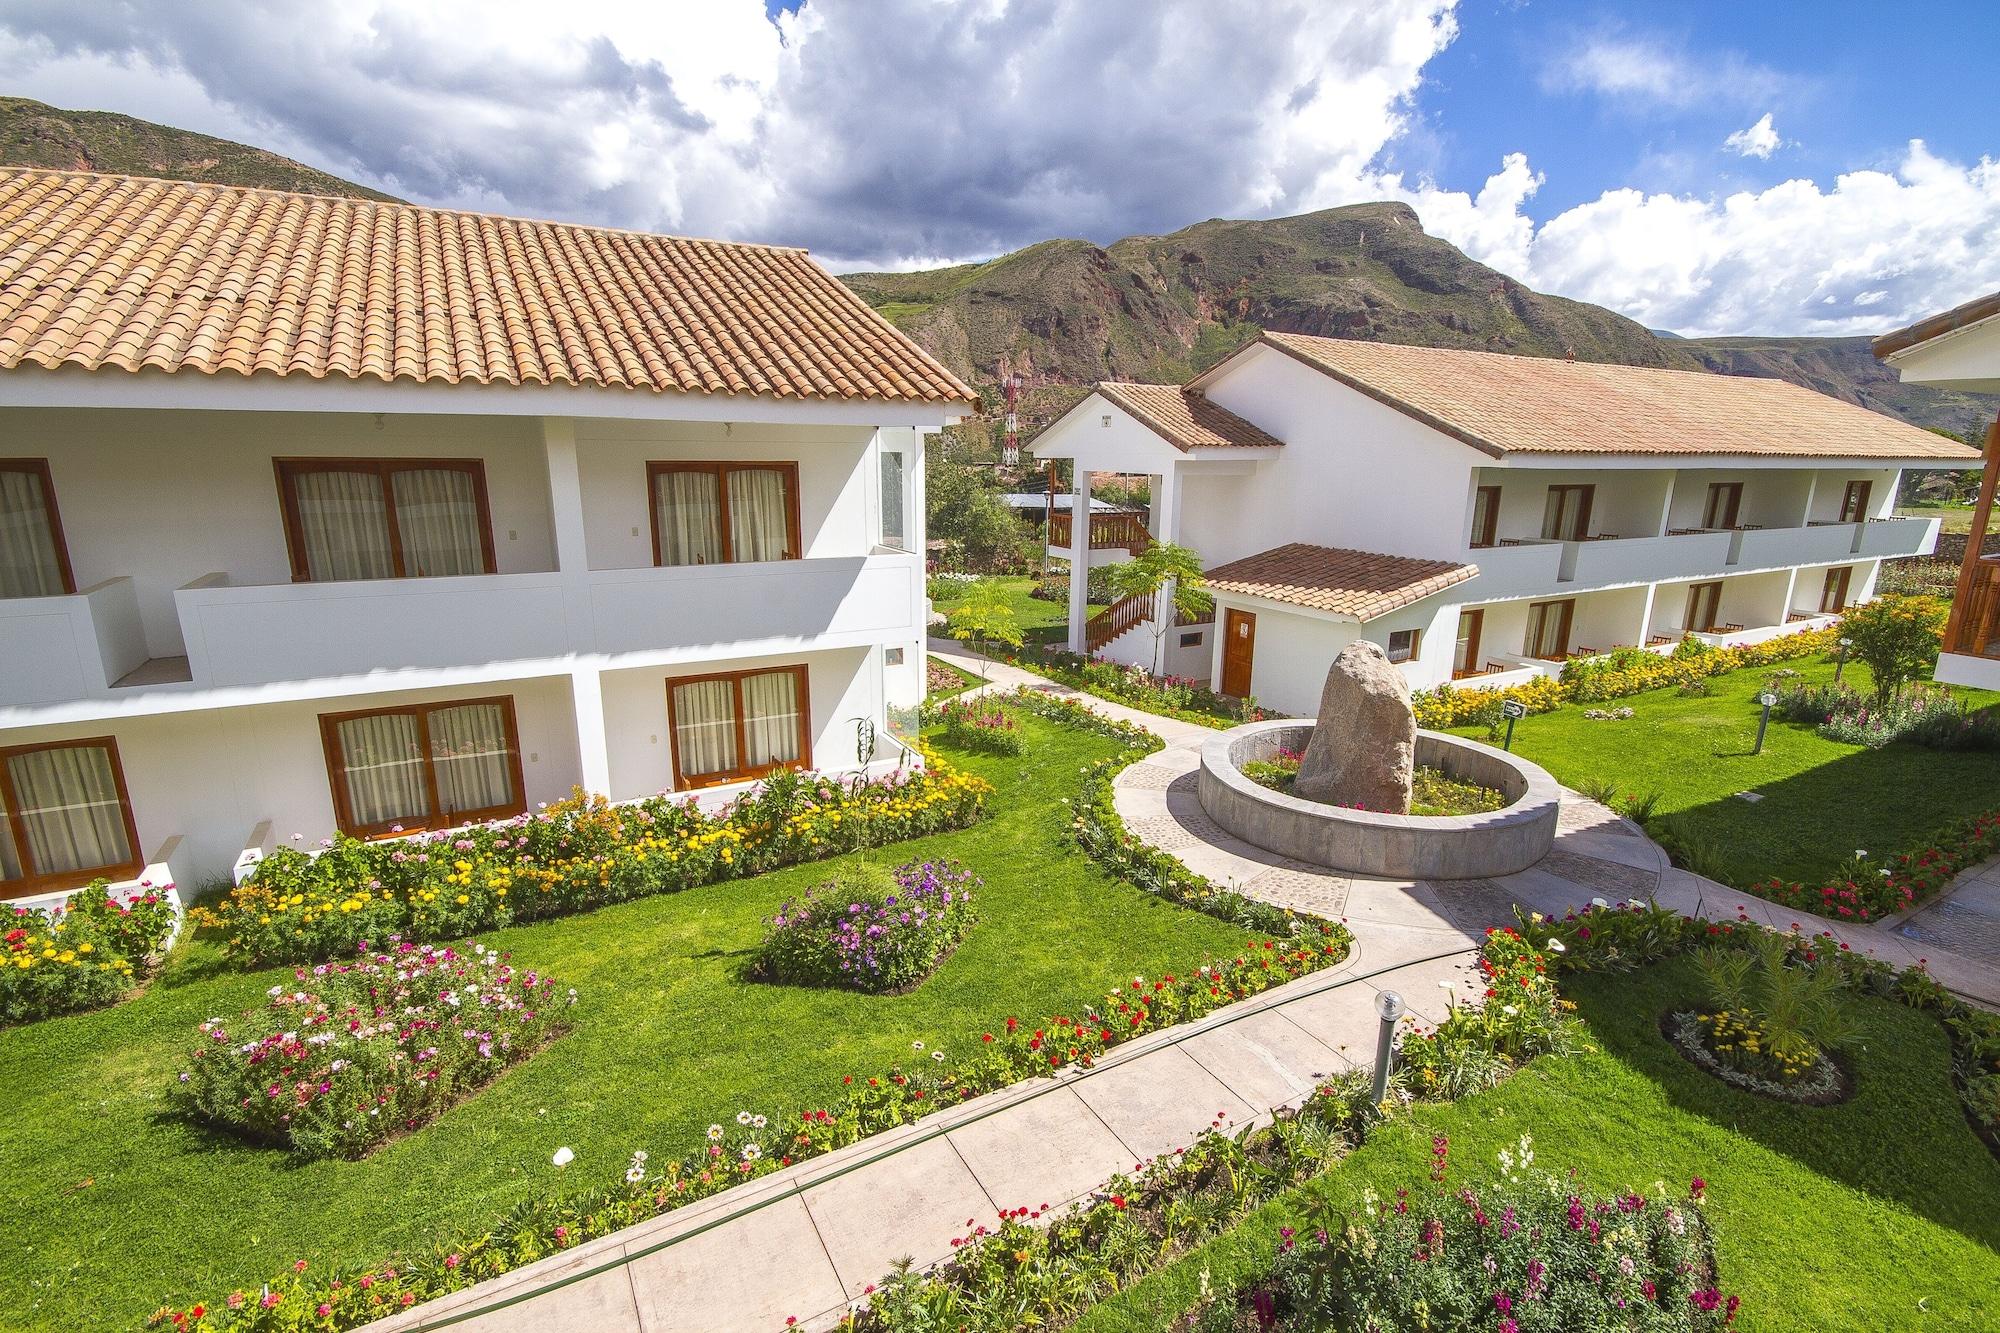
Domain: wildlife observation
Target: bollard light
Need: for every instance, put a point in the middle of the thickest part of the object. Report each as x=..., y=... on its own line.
x=1390, y=1006
x=1840, y=663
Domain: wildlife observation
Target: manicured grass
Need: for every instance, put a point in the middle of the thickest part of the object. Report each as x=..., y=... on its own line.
x=1822, y=800
x=116, y=1205
x=1877, y=1213
x=1955, y=518
x=1040, y=621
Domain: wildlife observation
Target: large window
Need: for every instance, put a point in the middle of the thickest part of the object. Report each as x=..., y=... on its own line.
x=64, y=817
x=1465, y=655
x=1548, y=629
x=425, y=767
x=350, y=518
x=33, y=560
x=738, y=725
x=1854, y=501
x=1725, y=502
x=1704, y=608
x=724, y=513
x=1833, y=590
x=1485, y=516
x=894, y=470
x=1566, y=516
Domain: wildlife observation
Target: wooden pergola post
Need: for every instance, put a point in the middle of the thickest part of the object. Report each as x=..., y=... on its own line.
x=1968, y=570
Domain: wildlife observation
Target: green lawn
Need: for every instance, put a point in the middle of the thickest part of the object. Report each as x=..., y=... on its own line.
x=1040, y=621
x=1821, y=800
x=1877, y=1213
x=117, y=1205
x=1956, y=518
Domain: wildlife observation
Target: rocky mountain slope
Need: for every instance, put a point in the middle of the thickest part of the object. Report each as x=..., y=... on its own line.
x=34, y=134
x=1064, y=313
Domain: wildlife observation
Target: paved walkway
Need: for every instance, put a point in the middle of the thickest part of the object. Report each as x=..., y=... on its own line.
x=807, y=1242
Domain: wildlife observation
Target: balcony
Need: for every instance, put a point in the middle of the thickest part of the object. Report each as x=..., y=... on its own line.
x=1888, y=537
x=260, y=634
x=714, y=610
x=1778, y=548
x=1108, y=532
x=1607, y=561
x=54, y=649
x=1517, y=567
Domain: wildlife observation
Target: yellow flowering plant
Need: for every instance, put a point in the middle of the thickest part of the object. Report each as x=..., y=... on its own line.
x=87, y=953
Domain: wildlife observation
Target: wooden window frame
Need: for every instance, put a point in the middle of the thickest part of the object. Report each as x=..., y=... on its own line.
x=1416, y=645
x=39, y=469
x=1477, y=615
x=1854, y=498
x=1834, y=588
x=31, y=883
x=743, y=772
x=288, y=500
x=343, y=815
x=1588, y=492
x=1568, y=625
x=1696, y=591
x=1731, y=494
x=794, y=538
x=1486, y=507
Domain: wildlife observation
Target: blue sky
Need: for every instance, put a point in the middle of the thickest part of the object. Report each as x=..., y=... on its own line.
x=1758, y=167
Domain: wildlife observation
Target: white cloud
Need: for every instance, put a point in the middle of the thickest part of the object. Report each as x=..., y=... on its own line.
x=1647, y=71
x=1759, y=140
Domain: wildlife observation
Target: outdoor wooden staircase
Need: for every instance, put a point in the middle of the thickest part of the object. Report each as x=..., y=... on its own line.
x=1114, y=620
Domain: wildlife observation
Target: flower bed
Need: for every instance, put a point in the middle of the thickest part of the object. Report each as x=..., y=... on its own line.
x=88, y=953
x=576, y=855
x=874, y=930
x=1728, y=1046
x=1433, y=792
x=1925, y=715
x=355, y=1053
x=1863, y=890
x=978, y=725
x=1613, y=676
x=1516, y=1255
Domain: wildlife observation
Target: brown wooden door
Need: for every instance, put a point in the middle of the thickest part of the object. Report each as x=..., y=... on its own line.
x=1239, y=643
x=1465, y=658
x=1854, y=501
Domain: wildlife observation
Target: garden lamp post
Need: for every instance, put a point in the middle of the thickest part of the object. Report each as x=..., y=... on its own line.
x=1840, y=662
x=1390, y=1006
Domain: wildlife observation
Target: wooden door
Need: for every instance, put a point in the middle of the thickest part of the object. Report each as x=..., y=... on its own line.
x=1833, y=592
x=1465, y=658
x=1704, y=607
x=1725, y=502
x=1239, y=643
x=1854, y=501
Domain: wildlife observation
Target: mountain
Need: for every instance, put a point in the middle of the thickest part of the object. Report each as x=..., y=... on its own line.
x=34, y=134
x=1064, y=313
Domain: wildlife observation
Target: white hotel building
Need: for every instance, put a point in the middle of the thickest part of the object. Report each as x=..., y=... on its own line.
x=324, y=514
x=1482, y=517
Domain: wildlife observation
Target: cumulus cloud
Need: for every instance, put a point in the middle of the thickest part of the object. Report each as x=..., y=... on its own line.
x=1644, y=71
x=1759, y=140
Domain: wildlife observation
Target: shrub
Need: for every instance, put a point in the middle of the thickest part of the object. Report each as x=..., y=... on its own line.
x=1898, y=637
x=1169, y=696
x=576, y=855
x=354, y=1053
x=88, y=953
x=1518, y=1255
x=1777, y=1017
x=978, y=725
x=872, y=929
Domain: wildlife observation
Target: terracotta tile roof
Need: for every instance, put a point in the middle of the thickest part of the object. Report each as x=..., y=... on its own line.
x=1361, y=584
x=121, y=272
x=1183, y=418
x=1524, y=404
x=1958, y=317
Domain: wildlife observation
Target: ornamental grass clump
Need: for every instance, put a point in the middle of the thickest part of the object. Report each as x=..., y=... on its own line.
x=1778, y=1015
x=351, y=1054
x=1527, y=1253
x=85, y=954
x=872, y=929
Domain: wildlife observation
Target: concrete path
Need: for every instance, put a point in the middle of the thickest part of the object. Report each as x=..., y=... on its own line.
x=806, y=1243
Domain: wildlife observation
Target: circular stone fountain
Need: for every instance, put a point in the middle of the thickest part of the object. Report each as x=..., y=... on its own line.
x=1363, y=842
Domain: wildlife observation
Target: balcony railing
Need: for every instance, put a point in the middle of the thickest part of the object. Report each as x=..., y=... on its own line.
x=688, y=611
x=1108, y=532
x=1976, y=631
x=54, y=649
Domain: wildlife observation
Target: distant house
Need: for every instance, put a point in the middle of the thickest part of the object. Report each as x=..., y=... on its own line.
x=330, y=514
x=1483, y=516
x=1960, y=349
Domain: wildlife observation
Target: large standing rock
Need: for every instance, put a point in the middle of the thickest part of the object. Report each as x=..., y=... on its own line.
x=1365, y=743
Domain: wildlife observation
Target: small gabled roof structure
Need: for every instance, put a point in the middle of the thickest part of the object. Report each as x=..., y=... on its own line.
x=1505, y=405
x=1184, y=418
x=123, y=273
x=1360, y=585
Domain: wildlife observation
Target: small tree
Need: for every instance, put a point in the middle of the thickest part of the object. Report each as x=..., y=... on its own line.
x=984, y=617
x=1897, y=637
x=1154, y=569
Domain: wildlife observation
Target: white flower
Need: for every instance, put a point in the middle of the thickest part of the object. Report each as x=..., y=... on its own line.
x=1557, y=946
x=916, y=1046
x=715, y=1133
x=938, y=1056
x=751, y=1152
x=1599, y=902
x=1509, y=1010
x=758, y=1122
x=742, y=1117
x=1447, y=984
x=634, y=1174
x=563, y=1156
x=1860, y=853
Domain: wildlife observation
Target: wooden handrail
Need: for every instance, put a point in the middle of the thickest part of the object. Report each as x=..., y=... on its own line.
x=1960, y=626
x=1114, y=620
x=1976, y=631
x=1108, y=532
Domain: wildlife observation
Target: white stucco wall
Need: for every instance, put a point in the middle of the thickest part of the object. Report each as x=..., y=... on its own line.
x=1294, y=648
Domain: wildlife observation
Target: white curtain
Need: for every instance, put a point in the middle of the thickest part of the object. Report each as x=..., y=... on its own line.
x=437, y=514
x=771, y=717
x=892, y=501
x=475, y=764
x=10, y=856
x=29, y=564
x=759, y=515
x=383, y=769
x=69, y=809
x=344, y=521
x=689, y=515
x=705, y=727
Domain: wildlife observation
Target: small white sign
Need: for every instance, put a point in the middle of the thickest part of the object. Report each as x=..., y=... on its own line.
x=1513, y=708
